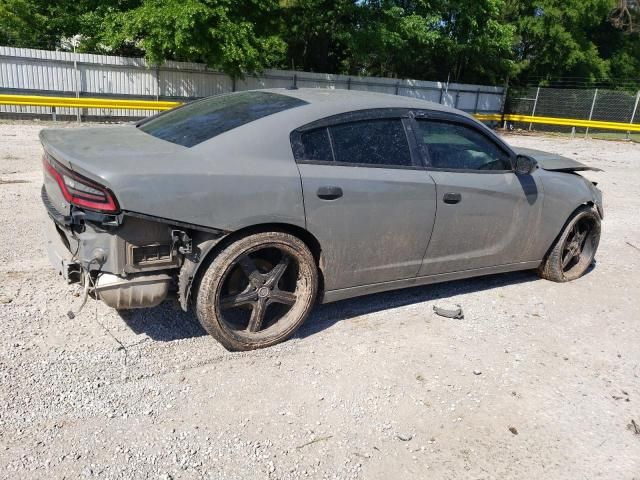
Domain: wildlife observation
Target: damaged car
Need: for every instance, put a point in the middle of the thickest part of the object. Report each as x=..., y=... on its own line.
x=251, y=207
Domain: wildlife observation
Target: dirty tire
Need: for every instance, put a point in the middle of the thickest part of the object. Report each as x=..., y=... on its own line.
x=253, y=276
x=574, y=250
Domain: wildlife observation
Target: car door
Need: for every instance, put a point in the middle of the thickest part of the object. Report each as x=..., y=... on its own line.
x=367, y=200
x=486, y=214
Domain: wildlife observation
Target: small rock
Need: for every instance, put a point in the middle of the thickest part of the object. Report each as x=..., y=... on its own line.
x=513, y=430
x=477, y=372
x=5, y=298
x=404, y=437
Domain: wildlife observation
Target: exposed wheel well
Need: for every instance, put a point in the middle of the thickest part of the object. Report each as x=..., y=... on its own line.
x=304, y=235
x=197, y=270
x=589, y=204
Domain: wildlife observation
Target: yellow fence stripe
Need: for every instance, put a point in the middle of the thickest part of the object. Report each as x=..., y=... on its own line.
x=574, y=122
x=72, y=102
x=118, y=103
x=566, y=122
x=488, y=117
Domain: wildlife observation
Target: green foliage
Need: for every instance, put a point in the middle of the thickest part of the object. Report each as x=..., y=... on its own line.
x=390, y=38
x=556, y=38
x=236, y=36
x=477, y=41
x=317, y=33
x=40, y=24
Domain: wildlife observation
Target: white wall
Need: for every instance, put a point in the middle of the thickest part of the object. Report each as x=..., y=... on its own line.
x=45, y=72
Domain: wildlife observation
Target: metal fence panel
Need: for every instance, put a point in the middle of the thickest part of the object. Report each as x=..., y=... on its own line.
x=43, y=72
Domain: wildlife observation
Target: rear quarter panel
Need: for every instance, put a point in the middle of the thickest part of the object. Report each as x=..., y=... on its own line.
x=253, y=179
x=243, y=177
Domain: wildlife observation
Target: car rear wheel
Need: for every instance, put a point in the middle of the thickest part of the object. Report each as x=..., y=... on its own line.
x=575, y=249
x=257, y=291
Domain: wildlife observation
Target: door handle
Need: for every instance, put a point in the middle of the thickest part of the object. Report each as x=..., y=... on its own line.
x=452, y=198
x=329, y=193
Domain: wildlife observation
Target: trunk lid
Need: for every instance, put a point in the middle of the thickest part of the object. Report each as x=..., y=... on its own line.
x=109, y=156
x=99, y=152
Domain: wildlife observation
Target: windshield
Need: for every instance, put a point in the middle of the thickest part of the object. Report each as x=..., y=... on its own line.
x=201, y=120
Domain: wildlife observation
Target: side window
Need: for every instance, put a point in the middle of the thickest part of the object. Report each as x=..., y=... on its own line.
x=372, y=142
x=316, y=145
x=455, y=146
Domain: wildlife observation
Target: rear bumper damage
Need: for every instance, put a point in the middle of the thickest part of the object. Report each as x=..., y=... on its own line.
x=139, y=290
x=125, y=261
x=59, y=255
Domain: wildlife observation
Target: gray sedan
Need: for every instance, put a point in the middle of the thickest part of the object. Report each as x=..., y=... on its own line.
x=252, y=206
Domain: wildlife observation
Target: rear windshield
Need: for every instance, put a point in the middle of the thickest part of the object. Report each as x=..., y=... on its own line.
x=204, y=119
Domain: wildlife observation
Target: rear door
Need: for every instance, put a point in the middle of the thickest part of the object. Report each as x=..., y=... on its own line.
x=486, y=214
x=367, y=199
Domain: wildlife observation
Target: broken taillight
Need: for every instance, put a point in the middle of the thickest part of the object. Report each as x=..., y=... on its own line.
x=79, y=190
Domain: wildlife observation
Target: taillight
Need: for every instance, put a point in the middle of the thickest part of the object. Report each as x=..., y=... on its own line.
x=79, y=190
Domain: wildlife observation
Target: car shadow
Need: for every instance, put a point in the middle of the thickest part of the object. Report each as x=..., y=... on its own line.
x=167, y=322
x=324, y=316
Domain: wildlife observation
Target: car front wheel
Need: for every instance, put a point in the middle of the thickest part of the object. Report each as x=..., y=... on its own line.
x=575, y=248
x=257, y=291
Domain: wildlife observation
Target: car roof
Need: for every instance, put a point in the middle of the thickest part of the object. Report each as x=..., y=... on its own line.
x=345, y=100
x=270, y=135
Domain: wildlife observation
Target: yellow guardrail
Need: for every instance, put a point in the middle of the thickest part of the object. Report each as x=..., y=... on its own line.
x=488, y=117
x=574, y=122
x=119, y=103
x=565, y=122
x=73, y=102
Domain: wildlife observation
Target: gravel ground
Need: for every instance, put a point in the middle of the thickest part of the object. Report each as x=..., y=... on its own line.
x=538, y=380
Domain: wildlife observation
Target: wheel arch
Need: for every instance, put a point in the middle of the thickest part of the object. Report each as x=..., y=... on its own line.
x=191, y=271
x=589, y=203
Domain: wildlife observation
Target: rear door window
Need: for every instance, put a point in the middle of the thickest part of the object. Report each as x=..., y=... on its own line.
x=377, y=142
x=371, y=142
x=202, y=120
x=316, y=145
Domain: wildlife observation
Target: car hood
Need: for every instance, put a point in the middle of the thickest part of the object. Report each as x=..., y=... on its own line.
x=554, y=162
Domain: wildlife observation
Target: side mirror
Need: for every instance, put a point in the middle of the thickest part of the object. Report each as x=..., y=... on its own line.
x=525, y=165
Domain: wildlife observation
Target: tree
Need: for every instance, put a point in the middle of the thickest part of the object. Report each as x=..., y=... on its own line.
x=42, y=24
x=389, y=36
x=555, y=39
x=236, y=36
x=317, y=33
x=626, y=16
x=477, y=42
x=474, y=41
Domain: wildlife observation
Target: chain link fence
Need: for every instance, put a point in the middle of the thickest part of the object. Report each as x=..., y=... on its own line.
x=581, y=104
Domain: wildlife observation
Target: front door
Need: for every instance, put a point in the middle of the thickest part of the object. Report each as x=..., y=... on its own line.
x=366, y=200
x=486, y=214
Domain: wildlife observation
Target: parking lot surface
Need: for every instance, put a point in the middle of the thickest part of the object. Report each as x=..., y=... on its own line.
x=539, y=380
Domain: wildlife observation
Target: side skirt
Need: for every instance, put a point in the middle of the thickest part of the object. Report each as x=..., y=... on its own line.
x=344, y=293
